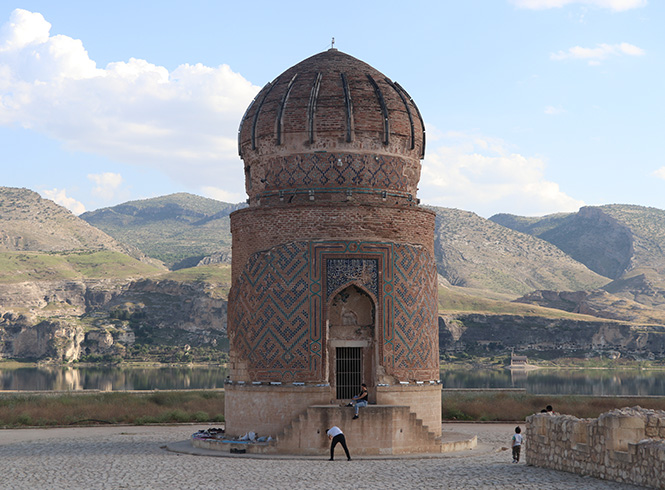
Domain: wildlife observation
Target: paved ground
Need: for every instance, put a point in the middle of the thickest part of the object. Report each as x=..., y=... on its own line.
x=117, y=458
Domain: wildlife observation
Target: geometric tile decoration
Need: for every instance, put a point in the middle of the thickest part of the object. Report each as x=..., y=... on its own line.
x=281, y=297
x=270, y=316
x=347, y=170
x=415, y=347
x=340, y=272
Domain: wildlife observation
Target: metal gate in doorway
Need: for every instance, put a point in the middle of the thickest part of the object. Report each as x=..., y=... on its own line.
x=349, y=364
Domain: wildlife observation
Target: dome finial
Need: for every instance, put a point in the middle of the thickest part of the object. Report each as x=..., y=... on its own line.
x=332, y=44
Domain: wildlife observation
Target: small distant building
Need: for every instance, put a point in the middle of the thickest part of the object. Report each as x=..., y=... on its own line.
x=518, y=361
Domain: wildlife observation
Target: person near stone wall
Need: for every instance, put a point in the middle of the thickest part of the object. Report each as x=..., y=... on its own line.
x=517, y=444
x=336, y=436
x=360, y=400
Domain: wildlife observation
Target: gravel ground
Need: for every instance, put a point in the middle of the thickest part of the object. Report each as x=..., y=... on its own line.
x=135, y=458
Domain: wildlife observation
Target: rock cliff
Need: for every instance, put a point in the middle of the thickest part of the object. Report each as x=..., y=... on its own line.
x=66, y=320
x=499, y=334
x=51, y=339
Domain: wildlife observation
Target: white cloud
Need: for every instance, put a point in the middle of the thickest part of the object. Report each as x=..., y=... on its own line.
x=222, y=194
x=23, y=28
x=183, y=122
x=601, y=52
x=59, y=196
x=107, y=184
x=630, y=49
x=484, y=176
x=554, y=111
x=660, y=173
x=615, y=5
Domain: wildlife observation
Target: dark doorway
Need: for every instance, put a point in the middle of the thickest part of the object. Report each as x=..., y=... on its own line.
x=349, y=364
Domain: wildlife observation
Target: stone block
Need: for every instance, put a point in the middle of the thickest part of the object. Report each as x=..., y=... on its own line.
x=631, y=423
x=582, y=448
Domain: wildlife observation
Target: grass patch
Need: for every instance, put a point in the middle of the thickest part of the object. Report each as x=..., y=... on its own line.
x=215, y=273
x=454, y=300
x=174, y=407
x=51, y=266
x=219, y=275
x=18, y=410
x=517, y=406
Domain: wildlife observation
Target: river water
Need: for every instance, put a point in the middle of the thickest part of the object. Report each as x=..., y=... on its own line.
x=108, y=378
x=540, y=381
x=563, y=381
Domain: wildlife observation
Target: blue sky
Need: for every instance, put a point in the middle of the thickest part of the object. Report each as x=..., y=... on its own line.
x=531, y=106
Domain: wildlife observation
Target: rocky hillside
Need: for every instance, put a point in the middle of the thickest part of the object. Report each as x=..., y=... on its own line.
x=70, y=292
x=598, y=303
x=477, y=253
x=612, y=240
x=549, y=325
x=644, y=286
x=186, y=230
x=31, y=223
x=179, y=229
x=623, y=242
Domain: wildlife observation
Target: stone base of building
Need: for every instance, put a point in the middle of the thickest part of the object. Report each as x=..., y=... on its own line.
x=405, y=418
x=381, y=430
x=269, y=409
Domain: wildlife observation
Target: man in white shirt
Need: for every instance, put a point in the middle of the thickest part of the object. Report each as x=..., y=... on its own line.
x=336, y=435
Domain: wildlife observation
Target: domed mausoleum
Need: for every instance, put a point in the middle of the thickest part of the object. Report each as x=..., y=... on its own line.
x=334, y=281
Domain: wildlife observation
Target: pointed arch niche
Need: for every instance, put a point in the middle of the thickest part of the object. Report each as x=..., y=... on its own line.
x=352, y=325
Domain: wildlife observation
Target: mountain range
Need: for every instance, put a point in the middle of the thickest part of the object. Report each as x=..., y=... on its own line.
x=121, y=276
x=179, y=229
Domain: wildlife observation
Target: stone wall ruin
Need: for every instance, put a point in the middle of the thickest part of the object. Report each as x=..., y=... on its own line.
x=625, y=445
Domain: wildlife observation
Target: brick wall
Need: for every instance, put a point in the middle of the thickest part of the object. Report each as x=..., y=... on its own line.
x=257, y=229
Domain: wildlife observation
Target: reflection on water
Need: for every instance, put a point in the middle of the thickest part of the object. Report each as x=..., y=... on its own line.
x=540, y=381
x=562, y=381
x=111, y=378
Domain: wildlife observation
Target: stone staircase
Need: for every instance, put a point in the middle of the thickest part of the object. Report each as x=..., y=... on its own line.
x=380, y=430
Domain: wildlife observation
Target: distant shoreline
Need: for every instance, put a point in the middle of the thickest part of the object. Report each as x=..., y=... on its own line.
x=630, y=366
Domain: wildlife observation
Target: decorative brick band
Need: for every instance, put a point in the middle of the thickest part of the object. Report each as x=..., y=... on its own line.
x=259, y=229
x=334, y=170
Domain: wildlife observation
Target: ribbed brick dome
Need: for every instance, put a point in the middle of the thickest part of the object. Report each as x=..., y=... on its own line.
x=331, y=124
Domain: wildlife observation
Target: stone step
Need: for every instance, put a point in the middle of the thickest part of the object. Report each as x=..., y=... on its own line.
x=381, y=429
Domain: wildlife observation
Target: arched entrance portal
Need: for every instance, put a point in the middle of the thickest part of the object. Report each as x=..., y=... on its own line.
x=351, y=341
